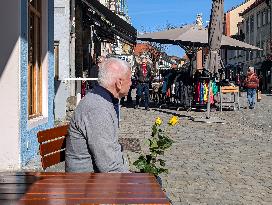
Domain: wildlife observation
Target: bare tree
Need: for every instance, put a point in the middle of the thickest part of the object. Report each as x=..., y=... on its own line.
x=155, y=48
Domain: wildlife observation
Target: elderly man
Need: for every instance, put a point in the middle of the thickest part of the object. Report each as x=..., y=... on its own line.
x=92, y=144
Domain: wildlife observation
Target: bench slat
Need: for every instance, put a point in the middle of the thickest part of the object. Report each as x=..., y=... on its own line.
x=53, y=133
x=52, y=146
x=53, y=159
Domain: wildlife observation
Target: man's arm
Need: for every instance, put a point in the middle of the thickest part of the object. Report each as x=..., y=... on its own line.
x=103, y=142
x=136, y=74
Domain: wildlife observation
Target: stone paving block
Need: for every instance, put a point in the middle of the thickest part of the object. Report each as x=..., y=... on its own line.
x=228, y=160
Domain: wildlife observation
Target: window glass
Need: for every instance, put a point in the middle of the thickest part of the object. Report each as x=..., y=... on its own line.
x=264, y=17
x=247, y=25
x=252, y=23
x=34, y=60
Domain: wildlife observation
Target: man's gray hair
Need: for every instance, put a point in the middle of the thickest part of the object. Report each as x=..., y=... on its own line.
x=112, y=69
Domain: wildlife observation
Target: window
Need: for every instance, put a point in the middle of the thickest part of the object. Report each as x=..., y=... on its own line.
x=258, y=52
x=258, y=20
x=268, y=16
x=247, y=55
x=56, y=58
x=247, y=25
x=264, y=18
x=262, y=46
x=251, y=55
x=252, y=23
x=34, y=59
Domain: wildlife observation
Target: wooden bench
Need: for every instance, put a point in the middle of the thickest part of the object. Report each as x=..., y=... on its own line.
x=52, y=145
x=232, y=90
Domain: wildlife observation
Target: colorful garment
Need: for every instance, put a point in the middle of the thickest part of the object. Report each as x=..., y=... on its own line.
x=205, y=92
x=201, y=100
x=214, y=88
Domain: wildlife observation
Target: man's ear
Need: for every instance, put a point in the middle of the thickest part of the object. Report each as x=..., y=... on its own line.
x=118, y=83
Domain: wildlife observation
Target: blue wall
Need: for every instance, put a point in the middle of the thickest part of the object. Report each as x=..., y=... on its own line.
x=27, y=135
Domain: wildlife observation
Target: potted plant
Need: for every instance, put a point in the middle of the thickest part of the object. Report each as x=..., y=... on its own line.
x=159, y=141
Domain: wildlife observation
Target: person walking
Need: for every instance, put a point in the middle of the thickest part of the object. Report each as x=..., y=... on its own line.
x=251, y=83
x=143, y=77
x=92, y=143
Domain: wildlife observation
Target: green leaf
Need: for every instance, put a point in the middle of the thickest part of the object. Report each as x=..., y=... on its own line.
x=157, y=151
x=149, y=158
x=154, y=130
x=162, y=162
x=141, y=163
x=162, y=170
x=153, y=143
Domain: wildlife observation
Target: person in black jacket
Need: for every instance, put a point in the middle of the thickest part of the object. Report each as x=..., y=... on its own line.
x=143, y=77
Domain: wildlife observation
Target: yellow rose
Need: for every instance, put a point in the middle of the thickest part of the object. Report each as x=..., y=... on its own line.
x=174, y=120
x=158, y=121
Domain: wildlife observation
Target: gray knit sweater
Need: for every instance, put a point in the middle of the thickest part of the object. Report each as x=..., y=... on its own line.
x=92, y=144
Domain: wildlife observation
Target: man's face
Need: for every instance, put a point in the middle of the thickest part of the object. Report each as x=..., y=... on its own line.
x=125, y=85
x=174, y=66
x=144, y=60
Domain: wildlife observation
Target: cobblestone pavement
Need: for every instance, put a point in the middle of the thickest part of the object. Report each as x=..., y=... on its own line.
x=213, y=163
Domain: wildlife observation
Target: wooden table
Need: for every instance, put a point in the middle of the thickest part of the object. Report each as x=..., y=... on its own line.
x=39, y=188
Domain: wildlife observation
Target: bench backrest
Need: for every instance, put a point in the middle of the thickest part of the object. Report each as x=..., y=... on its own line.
x=52, y=145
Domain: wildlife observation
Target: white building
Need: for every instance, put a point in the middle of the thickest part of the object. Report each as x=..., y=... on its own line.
x=26, y=78
x=257, y=28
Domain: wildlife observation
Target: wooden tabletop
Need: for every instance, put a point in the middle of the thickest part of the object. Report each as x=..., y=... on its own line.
x=40, y=188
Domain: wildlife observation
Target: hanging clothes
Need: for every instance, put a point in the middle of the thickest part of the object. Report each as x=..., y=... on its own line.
x=214, y=88
x=211, y=93
x=205, y=92
x=201, y=91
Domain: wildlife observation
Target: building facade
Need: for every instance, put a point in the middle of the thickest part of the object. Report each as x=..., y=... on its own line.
x=62, y=38
x=253, y=26
x=26, y=78
x=120, y=8
x=257, y=27
x=233, y=28
x=84, y=30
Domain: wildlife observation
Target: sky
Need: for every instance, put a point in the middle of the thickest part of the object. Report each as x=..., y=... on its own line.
x=151, y=15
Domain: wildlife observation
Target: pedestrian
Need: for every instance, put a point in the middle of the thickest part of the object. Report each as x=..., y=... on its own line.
x=251, y=83
x=92, y=143
x=143, y=77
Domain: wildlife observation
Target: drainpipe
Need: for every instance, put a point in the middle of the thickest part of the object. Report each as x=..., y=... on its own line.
x=72, y=46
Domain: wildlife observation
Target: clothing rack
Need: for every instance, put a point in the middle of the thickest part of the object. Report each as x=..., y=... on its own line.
x=201, y=103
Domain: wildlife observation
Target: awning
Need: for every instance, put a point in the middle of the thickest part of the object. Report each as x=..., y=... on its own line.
x=191, y=35
x=117, y=25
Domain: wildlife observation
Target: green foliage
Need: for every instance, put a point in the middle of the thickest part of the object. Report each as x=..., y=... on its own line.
x=158, y=143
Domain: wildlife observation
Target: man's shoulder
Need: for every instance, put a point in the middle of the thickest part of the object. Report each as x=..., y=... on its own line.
x=91, y=101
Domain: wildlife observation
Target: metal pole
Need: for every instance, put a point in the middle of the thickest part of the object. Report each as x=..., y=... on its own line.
x=209, y=101
x=72, y=47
